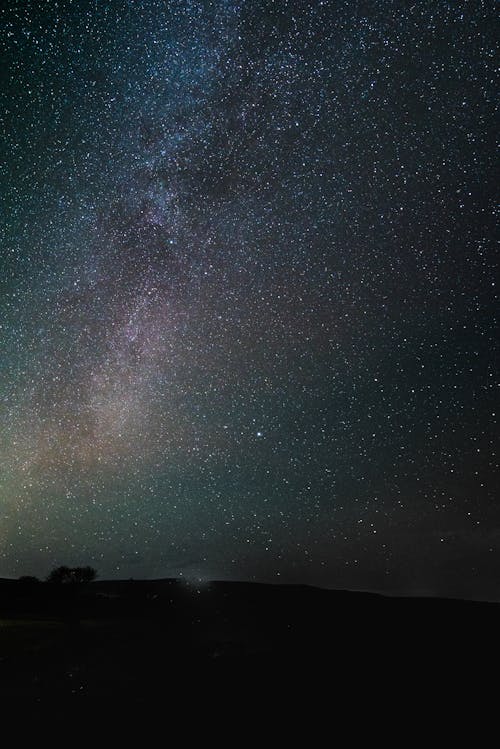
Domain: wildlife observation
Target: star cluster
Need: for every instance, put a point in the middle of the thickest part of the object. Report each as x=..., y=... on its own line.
x=247, y=290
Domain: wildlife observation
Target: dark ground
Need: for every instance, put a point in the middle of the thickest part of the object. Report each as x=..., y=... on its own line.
x=145, y=644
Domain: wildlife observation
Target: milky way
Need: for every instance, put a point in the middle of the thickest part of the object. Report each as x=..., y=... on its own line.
x=247, y=292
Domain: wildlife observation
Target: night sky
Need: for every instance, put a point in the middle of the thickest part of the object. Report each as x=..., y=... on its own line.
x=247, y=292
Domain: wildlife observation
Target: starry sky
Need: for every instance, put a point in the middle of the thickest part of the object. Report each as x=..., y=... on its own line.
x=247, y=292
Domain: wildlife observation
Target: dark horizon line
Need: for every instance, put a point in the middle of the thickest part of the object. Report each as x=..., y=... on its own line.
x=192, y=582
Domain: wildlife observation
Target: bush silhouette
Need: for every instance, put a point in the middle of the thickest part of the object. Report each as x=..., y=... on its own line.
x=66, y=575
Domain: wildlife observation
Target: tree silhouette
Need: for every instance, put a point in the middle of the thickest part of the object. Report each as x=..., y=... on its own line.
x=66, y=575
x=67, y=584
x=84, y=574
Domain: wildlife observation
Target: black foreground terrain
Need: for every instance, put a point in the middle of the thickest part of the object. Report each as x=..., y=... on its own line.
x=145, y=643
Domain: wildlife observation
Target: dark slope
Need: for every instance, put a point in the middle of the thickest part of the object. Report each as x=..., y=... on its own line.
x=140, y=642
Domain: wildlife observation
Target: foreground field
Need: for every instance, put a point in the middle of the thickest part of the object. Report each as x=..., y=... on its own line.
x=148, y=643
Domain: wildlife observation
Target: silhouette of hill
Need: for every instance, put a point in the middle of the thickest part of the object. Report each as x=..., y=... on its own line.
x=140, y=642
